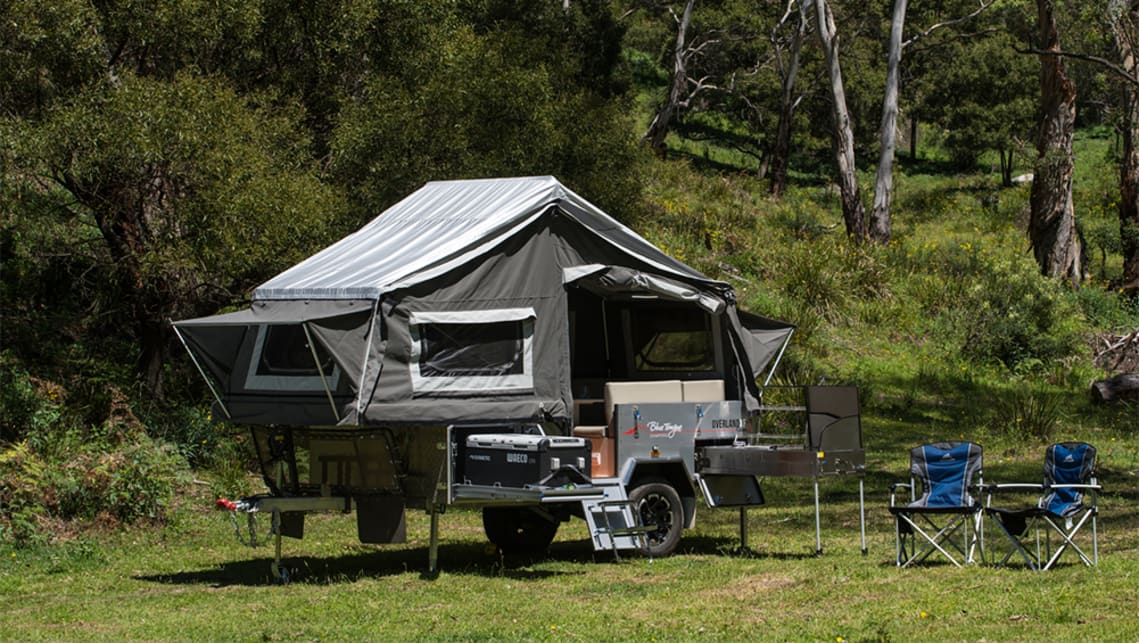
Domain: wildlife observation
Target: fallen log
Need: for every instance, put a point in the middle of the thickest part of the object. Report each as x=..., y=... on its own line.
x=1124, y=386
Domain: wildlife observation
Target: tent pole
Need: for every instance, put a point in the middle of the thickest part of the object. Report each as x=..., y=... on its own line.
x=209, y=382
x=605, y=332
x=367, y=354
x=775, y=364
x=323, y=380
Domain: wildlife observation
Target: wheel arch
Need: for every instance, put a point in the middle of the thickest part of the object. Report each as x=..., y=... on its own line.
x=676, y=475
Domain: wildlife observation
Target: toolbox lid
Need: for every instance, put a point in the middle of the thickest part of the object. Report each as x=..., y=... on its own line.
x=521, y=442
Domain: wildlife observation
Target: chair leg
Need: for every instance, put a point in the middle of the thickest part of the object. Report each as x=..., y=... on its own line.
x=1018, y=547
x=1095, y=539
x=933, y=542
x=1067, y=534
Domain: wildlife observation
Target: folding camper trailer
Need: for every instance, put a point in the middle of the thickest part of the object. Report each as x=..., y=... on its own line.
x=503, y=343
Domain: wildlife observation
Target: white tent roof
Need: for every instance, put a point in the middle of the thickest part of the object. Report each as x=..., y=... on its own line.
x=441, y=226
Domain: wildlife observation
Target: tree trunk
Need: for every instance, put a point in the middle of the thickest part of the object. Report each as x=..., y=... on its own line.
x=853, y=212
x=914, y=137
x=887, y=132
x=127, y=214
x=1006, y=167
x=1120, y=387
x=1129, y=193
x=1129, y=165
x=781, y=153
x=1052, y=223
x=662, y=121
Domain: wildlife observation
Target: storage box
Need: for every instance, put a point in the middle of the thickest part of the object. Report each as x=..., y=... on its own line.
x=515, y=460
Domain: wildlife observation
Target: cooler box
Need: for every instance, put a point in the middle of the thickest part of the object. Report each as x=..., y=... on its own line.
x=516, y=460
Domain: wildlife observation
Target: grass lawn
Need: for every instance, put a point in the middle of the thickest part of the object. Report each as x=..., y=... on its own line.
x=192, y=580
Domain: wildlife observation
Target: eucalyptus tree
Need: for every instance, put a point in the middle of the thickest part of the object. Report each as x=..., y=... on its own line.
x=1124, y=18
x=789, y=60
x=853, y=211
x=680, y=94
x=1052, y=221
x=1104, y=54
x=884, y=183
x=712, y=60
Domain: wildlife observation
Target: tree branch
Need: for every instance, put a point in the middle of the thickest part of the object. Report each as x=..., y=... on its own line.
x=1110, y=66
x=985, y=4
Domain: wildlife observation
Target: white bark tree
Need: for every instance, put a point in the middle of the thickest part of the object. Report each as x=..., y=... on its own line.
x=853, y=212
x=887, y=132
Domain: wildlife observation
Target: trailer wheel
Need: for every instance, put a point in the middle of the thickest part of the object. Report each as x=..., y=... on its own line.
x=518, y=530
x=659, y=507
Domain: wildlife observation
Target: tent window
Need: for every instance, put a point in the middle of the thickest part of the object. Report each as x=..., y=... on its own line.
x=454, y=350
x=489, y=352
x=283, y=361
x=286, y=351
x=673, y=339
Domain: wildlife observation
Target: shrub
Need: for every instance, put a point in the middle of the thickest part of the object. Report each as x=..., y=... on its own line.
x=85, y=475
x=1028, y=412
x=26, y=404
x=21, y=492
x=1012, y=314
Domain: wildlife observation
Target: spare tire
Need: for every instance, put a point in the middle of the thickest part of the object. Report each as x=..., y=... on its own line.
x=519, y=530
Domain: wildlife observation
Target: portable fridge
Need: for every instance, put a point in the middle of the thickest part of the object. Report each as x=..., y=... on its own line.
x=517, y=460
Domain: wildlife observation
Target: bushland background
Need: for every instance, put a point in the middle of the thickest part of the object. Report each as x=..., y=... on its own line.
x=161, y=159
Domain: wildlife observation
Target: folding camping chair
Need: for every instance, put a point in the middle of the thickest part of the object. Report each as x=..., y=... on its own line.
x=945, y=472
x=1068, y=501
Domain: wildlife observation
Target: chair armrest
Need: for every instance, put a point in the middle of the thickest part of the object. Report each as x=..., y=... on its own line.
x=1009, y=486
x=894, y=486
x=1092, y=487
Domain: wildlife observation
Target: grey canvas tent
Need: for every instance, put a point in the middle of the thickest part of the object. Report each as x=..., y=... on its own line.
x=475, y=301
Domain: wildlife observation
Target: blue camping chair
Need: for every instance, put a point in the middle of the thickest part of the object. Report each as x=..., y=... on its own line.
x=1069, y=500
x=944, y=471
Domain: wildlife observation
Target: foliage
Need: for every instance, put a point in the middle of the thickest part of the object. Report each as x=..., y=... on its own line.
x=214, y=172
x=90, y=475
x=552, y=108
x=1028, y=414
x=178, y=195
x=1012, y=315
x=983, y=94
x=48, y=50
x=27, y=405
x=21, y=499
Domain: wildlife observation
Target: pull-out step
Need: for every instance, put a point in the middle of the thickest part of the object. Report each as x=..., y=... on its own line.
x=614, y=523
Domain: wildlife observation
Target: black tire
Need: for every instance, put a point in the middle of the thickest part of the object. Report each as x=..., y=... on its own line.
x=519, y=530
x=659, y=507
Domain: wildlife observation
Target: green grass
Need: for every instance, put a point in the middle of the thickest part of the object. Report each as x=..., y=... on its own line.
x=192, y=580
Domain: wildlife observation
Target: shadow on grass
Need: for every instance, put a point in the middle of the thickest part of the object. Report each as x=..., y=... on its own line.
x=475, y=559
x=455, y=559
x=564, y=558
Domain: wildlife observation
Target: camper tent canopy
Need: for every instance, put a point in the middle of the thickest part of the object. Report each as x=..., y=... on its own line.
x=469, y=301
